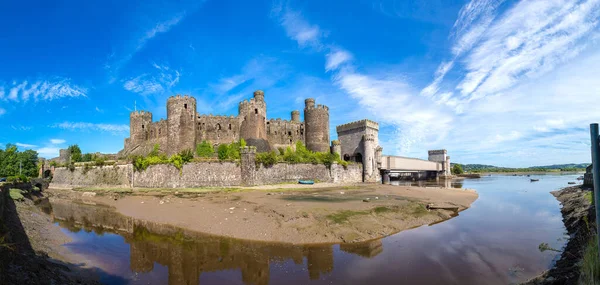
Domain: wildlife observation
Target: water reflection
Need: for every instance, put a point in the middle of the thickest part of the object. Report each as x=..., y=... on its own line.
x=188, y=254
x=445, y=183
x=494, y=242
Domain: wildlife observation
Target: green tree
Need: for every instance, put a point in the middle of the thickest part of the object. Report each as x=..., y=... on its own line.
x=75, y=153
x=87, y=157
x=457, y=169
x=13, y=162
x=205, y=149
x=223, y=151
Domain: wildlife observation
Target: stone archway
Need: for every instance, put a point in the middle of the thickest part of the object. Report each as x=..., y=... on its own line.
x=358, y=158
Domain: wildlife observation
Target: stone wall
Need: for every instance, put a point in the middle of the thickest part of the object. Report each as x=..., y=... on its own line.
x=107, y=176
x=283, y=172
x=204, y=174
x=192, y=175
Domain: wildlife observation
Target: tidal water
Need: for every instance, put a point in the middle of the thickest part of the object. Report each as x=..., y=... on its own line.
x=496, y=241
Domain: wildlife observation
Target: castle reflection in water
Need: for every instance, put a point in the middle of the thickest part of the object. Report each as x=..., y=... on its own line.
x=188, y=254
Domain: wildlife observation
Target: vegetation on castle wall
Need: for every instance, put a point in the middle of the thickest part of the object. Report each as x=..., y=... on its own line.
x=13, y=162
x=205, y=149
x=141, y=163
x=300, y=155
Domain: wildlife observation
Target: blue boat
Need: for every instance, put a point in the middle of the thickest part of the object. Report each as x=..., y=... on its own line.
x=308, y=182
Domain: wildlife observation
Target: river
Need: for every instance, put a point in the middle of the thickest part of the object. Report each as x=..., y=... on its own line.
x=496, y=241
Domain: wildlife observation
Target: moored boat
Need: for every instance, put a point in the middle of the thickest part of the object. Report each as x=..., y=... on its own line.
x=307, y=182
x=534, y=180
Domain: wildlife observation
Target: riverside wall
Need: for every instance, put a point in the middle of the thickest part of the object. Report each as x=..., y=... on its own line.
x=202, y=174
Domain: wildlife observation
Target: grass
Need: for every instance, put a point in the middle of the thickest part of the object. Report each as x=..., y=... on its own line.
x=343, y=216
x=589, y=196
x=17, y=194
x=415, y=209
x=590, y=266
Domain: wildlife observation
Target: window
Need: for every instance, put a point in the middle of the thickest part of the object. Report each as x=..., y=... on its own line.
x=219, y=127
x=185, y=106
x=159, y=131
x=229, y=126
x=255, y=111
x=142, y=126
x=289, y=133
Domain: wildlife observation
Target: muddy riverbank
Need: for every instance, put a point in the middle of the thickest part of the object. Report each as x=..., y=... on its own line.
x=578, y=216
x=286, y=214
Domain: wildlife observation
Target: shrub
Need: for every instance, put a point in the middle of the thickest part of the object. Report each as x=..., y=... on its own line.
x=205, y=149
x=53, y=163
x=155, y=150
x=75, y=152
x=186, y=155
x=177, y=161
x=223, y=152
x=267, y=159
x=17, y=194
x=99, y=161
x=457, y=169
x=71, y=166
x=87, y=157
x=281, y=151
x=86, y=168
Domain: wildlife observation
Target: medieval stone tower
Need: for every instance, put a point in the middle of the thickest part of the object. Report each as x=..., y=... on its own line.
x=253, y=129
x=140, y=122
x=316, y=119
x=360, y=143
x=181, y=122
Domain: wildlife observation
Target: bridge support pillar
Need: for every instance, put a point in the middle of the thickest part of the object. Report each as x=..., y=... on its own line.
x=386, y=177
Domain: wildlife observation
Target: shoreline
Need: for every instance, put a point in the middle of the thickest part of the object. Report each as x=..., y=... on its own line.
x=285, y=213
x=577, y=213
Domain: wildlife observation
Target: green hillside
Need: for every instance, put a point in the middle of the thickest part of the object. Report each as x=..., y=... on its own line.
x=544, y=168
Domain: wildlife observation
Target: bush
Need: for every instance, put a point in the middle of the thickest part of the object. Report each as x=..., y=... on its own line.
x=186, y=155
x=75, y=152
x=155, y=150
x=267, y=159
x=223, y=152
x=17, y=194
x=87, y=157
x=177, y=161
x=54, y=163
x=86, y=167
x=205, y=149
x=99, y=161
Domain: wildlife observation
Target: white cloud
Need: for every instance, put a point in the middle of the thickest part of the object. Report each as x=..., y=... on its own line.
x=2, y=111
x=48, y=152
x=297, y=28
x=336, y=58
x=75, y=126
x=159, y=28
x=24, y=145
x=44, y=90
x=57, y=141
x=153, y=83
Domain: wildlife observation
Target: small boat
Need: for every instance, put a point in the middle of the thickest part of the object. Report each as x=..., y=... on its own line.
x=580, y=178
x=534, y=180
x=571, y=182
x=528, y=175
x=307, y=182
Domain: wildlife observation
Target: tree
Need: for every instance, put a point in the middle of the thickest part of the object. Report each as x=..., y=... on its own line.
x=75, y=152
x=457, y=169
x=13, y=162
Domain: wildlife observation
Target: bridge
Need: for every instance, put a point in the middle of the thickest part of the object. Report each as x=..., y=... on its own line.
x=438, y=165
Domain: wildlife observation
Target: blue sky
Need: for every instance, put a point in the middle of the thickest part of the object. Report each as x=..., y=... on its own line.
x=511, y=83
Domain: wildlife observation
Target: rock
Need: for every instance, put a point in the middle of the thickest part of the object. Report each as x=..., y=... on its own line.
x=367, y=200
x=89, y=194
x=288, y=204
x=376, y=198
x=231, y=212
x=232, y=208
x=161, y=202
x=342, y=192
x=142, y=202
x=269, y=193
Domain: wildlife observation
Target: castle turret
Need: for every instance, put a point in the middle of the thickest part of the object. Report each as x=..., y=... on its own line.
x=254, y=122
x=369, y=159
x=336, y=147
x=296, y=116
x=139, y=124
x=316, y=119
x=181, y=123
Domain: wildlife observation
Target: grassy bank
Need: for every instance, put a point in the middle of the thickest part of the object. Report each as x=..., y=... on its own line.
x=590, y=265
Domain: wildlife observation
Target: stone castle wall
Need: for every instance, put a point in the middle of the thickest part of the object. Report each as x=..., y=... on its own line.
x=184, y=128
x=106, y=176
x=203, y=174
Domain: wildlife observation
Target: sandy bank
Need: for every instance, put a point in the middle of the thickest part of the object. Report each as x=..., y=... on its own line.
x=289, y=213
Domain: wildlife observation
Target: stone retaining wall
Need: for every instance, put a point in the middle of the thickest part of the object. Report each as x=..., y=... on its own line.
x=202, y=174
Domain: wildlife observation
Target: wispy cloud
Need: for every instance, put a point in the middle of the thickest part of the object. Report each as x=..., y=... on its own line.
x=42, y=90
x=82, y=126
x=24, y=145
x=2, y=111
x=20, y=128
x=335, y=58
x=297, y=27
x=57, y=141
x=159, y=28
x=157, y=82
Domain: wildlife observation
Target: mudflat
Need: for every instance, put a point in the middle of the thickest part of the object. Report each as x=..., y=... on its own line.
x=319, y=213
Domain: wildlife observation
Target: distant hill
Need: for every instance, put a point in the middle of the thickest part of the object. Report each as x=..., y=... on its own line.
x=493, y=168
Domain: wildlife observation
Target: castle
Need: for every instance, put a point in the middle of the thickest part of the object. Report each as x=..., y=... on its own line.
x=185, y=127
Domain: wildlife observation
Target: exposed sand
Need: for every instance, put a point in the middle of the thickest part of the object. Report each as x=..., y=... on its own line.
x=289, y=213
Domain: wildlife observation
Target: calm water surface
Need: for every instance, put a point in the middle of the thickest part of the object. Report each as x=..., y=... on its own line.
x=494, y=242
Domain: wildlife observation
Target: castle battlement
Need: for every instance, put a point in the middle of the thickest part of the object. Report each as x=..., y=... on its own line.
x=179, y=96
x=141, y=113
x=366, y=123
x=211, y=116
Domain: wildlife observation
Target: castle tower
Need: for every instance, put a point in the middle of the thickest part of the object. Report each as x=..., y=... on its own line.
x=316, y=119
x=254, y=122
x=139, y=124
x=369, y=159
x=336, y=147
x=296, y=116
x=181, y=123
